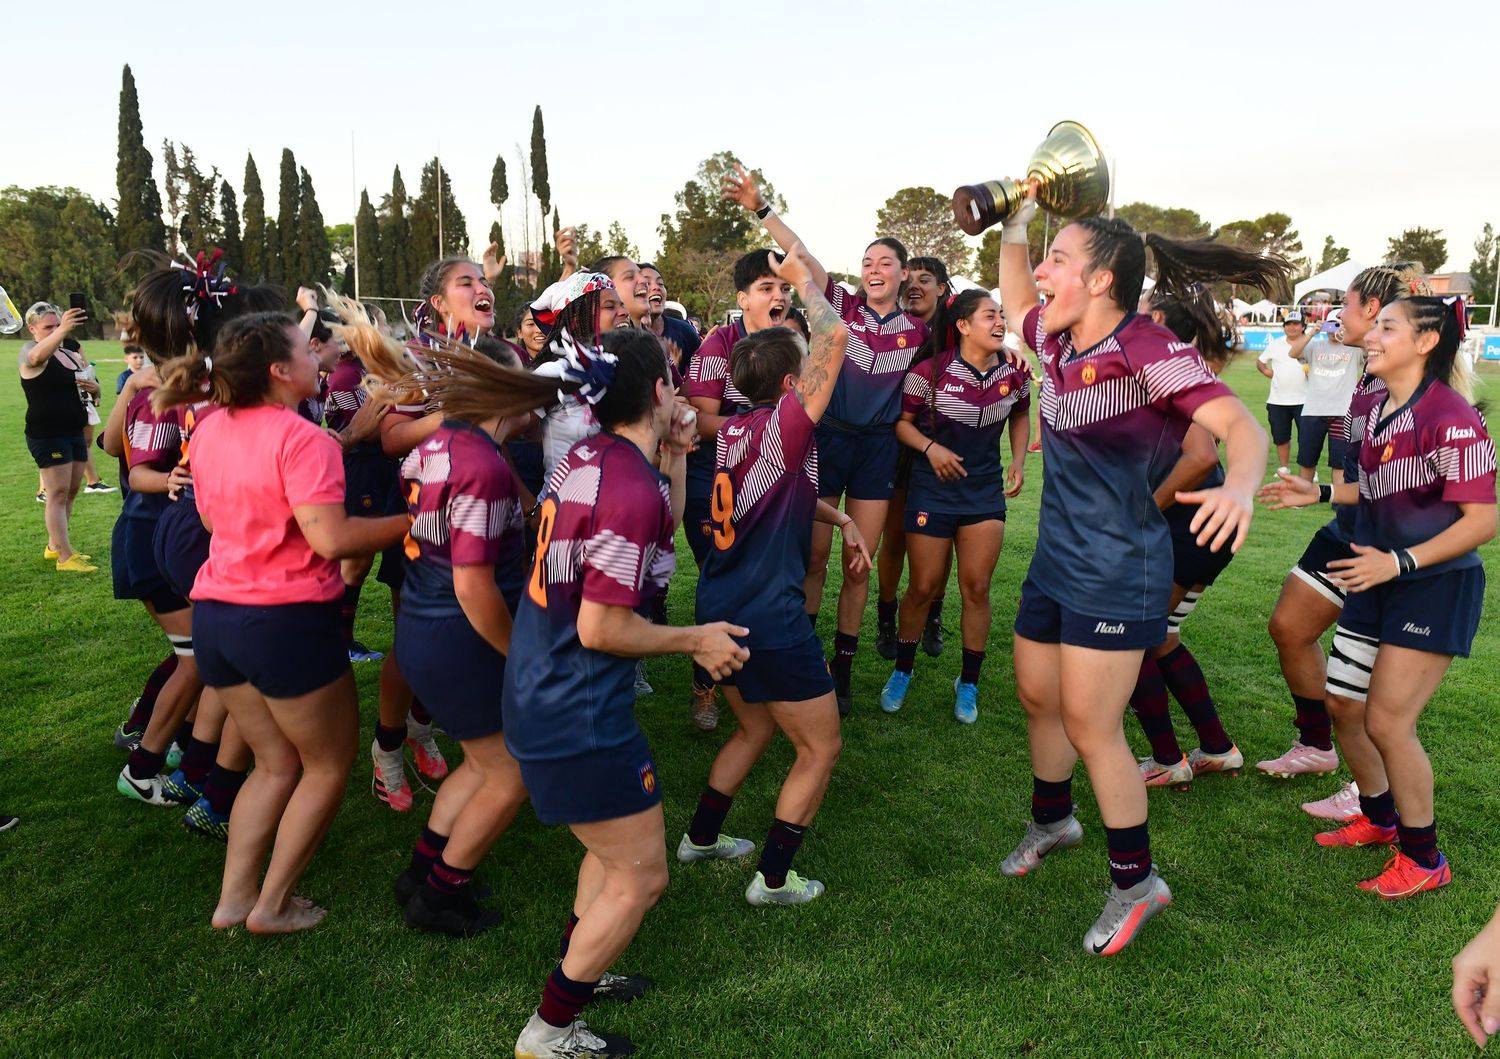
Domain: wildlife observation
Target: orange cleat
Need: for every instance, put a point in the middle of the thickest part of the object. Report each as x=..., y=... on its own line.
x=1357, y=832
x=1404, y=877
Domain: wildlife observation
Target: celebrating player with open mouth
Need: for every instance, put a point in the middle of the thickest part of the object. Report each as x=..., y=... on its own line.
x=1099, y=587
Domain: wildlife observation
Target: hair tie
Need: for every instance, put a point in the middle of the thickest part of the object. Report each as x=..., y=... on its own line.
x=951, y=299
x=203, y=281
x=593, y=370
x=208, y=365
x=1456, y=303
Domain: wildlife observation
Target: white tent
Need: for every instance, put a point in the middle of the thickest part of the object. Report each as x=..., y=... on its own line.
x=1336, y=278
x=1241, y=307
x=1265, y=309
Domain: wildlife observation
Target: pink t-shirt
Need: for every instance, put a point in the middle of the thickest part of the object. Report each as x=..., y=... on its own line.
x=251, y=467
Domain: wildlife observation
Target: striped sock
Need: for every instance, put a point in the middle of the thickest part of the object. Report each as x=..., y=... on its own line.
x=197, y=758
x=1051, y=801
x=1184, y=678
x=140, y=716
x=567, y=936
x=1420, y=844
x=782, y=842
x=448, y=880
x=1314, y=726
x=1129, y=854
x=1149, y=701
x=425, y=853
x=708, y=820
x=221, y=787
x=563, y=999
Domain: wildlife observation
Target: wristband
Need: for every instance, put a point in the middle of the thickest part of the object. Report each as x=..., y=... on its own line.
x=929, y=445
x=764, y=211
x=1325, y=494
x=1406, y=562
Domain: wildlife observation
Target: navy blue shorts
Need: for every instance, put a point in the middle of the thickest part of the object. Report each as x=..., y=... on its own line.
x=281, y=651
x=783, y=674
x=453, y=672
x=527, y=456
x=54, y=452
x=372, y=487
x=1041, y=618
x=859, y=464
x=1193, y=564
x=599, y=785
x=1281, y=417
x=180, y=544
x=943, y=524
x=1311, y=430
x=696, y=527
x=1438, y=613
x=1312, y=569
x=132, y=562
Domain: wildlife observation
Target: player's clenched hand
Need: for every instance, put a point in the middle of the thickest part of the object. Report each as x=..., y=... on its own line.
x=792, y=267
x=716, y=650
x=1476, y=983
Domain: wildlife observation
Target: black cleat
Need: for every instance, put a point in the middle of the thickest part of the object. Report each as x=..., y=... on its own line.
x=622, y=988
x=406, y=885
x=458, y=917
x=841, y=691
x=932, y=639
x=885, y=640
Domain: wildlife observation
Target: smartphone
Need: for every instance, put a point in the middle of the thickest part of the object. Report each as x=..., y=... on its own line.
x=75, y=301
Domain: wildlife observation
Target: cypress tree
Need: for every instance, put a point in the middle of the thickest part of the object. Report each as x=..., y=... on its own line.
x=290, y=264
x=499, y=192
x=254, y=267
x=367, y=231
x=229, y=213
x=138, y=224
x=395, y=276
x=314, y=253
x=539, y=182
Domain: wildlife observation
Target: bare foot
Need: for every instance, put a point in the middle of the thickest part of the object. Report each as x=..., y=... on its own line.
x=299, y=914
x=232, y=913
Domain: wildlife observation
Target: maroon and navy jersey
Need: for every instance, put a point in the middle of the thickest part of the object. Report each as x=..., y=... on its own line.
x=765, y=493
x=346, y=392
x=605, y=535
x=1350, y=429
x=1417, y=464
x=312, y=408
x=152, y=440
x=465, y=511
x=972, y=410
x=1103, y=547
x=708, y=376
x=868, y=391
x=1179, y=516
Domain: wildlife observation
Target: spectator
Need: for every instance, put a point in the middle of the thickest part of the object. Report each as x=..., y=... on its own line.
x=92, y=482
x=1333, y=369
x=55, y=418
x=135, y=360
x=1288, y=384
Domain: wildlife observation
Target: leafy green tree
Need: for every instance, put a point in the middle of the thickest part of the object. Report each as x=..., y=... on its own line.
x=590, y=244
x=1269, y=234
x=423, y=245
x=618, y=242
x=705, y=234
x=273, y=252
x=1426, y=246
x=254, y=267
x=922, y=219
x=229, y=216
x=1482, y=270
x=289, y=193
x=367, y=225
x=1332, y=256
x=314, y=254
x=176, y=186
x=987, y=261
x=138, y=224
x=1174, y=222
x=56, y=240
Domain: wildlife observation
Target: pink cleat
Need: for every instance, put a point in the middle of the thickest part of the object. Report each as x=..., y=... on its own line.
x=1344, y=805
x=1300, y=760
x=424, y=750
x=389, y=781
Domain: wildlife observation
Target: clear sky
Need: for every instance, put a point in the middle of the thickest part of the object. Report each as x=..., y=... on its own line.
x=1359, y=119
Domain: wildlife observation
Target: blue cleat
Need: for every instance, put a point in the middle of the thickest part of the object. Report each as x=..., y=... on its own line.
x=966, y=702
x=893, y=695
x=202, y=820
x=177, y=789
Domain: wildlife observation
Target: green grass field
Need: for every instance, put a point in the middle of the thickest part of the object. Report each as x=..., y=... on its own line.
x=920, y=947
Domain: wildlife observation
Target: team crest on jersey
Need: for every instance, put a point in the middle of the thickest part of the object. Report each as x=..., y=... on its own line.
x=648, y=778
x=1089, y=375
x=900, y=341
x=366, y=502
x=706, y=527
x=1005, y=389
x=1387, y=453
x=921, y=518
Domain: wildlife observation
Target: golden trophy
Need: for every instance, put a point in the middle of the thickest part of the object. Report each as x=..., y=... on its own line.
x=1067, y=169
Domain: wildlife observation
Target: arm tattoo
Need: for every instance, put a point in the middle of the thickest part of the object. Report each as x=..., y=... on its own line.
x=828, y=337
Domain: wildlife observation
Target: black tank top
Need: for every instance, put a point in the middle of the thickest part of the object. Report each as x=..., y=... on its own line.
x=53, y=407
